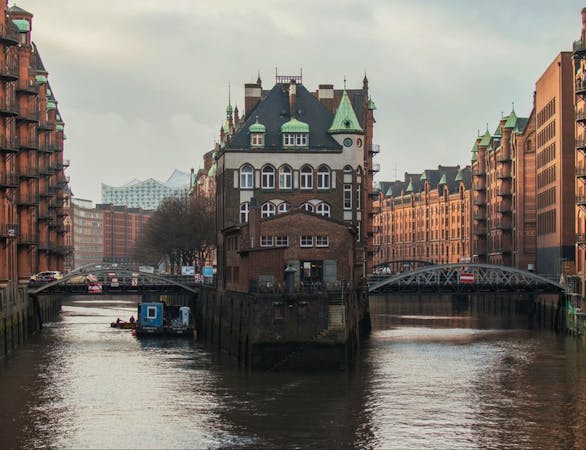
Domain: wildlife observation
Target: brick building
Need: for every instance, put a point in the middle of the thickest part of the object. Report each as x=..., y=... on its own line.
x=122, y=227
x=555, y=166
x=293, y=177
x=579, y=82
x=32, y=179
x=425, y=217
x=503, y=168
x=88, y=233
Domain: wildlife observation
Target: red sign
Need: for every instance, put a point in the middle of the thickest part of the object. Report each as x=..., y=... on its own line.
x=94, y=288
x=466, y=278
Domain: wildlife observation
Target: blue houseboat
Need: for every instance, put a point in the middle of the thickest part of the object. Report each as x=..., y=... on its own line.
x=159, y=319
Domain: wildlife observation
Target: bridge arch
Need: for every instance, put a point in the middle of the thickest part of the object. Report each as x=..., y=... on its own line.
x=123, y=273
x=477, y=278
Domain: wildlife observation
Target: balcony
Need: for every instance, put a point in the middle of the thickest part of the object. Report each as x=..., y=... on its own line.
x=478, y=172
x=49, y=192
x=480, y=202
x=28, y=239
x=581, y=200
x=46, y=126
x=478, y=186
x=479, y=217
x=8, y=107
x=26, y=199
x=581, y=239
x=66, y=165
x=503, y=158
x=581, y=171
x=27, y=87
x=375, y=168
x=503, y=249
x=8, y=230
x=29, y=143
x=581, y=145
x=9, y=71
x=9, y=180
x=374, y=150
x=29, y=172
x=8, y=145
x=581, y=116
x=504, y=225
x=504, y=208
x=55, y=147
x=503, y=174
x=479, y=230
x=504, y=191
x=8, y=34
x=580, y=87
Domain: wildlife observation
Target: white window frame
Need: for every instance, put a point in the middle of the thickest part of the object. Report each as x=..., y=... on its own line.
x=282, y=208
x=266, y=241
x=268, y=209
x=308, y=207
x=244, y=212
x=306, y=178
x=322, y=241
x=323, y=209
x=347, y=196
x=281, y=241
x=268, y=177
x=305, y=241
x=247, y=177
x=323, y=177
x=257, y=139
x=285, y=177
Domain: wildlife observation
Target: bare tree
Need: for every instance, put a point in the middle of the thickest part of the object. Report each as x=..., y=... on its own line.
x=180, y=230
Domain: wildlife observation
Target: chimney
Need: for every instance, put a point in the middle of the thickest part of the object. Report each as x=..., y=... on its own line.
x=252, y=94
x=325, y=95
x=292, y=97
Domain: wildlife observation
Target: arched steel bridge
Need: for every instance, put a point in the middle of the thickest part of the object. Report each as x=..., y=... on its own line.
x=130, y=281
x=398, y=264
x=463, y=277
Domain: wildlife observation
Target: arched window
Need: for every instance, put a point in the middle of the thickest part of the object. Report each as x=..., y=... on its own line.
x=246, y=177
x=285, y=177
x=323, y=177
x=282, y=208
x=244, y=210
x=268, y=177
x=306, y=177
x=268, y=210
x=308, y=207
x=323, y=209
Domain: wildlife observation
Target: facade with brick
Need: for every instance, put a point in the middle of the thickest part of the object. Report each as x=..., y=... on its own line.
x=88, y=233
x=424, y=218
x=579, y=83
x=293, y=179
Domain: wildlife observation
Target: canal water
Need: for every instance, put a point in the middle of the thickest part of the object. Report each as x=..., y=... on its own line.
x=430, y=376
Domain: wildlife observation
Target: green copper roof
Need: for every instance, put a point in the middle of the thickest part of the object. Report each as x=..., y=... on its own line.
x=511, y=120
x=229, y=109
x=22, y=25
x=410, y=187
x=485, y=139
x=59, y=127
x=389, y=191
x=345, y=120
x=41, y=79
x=443, y=180
x=294, y=126
x=371, y=104
x=212, y=171
x=423, y=177
x=497, y=132
x=51, y=105
x=474, y=156
x=475, y=147
x=257, y=127
x=460, y=176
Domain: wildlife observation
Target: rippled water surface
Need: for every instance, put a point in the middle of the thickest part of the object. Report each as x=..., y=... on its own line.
x=426, y=379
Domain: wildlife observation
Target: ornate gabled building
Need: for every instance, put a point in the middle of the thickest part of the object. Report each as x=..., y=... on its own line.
x=503, y=168
x=293, y=180
x=424, y=218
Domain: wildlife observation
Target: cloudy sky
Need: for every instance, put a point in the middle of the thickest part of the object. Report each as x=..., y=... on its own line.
x=142, y=84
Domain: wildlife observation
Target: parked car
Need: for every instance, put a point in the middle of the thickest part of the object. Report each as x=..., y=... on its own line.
x=82, y=278
x=46, y=277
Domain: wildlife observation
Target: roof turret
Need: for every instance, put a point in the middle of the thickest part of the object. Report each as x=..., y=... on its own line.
x=345, y=120
x=257, y=127
x=410, y=187
x=294, y=126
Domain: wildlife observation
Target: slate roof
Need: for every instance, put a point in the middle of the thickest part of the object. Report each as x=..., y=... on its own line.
x=273, y=111
x=18, y=10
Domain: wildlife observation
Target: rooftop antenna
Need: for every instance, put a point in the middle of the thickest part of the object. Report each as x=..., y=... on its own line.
x=344, y=82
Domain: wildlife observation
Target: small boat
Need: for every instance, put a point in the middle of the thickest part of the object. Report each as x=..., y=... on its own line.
x=159, y=319
x=123, y=325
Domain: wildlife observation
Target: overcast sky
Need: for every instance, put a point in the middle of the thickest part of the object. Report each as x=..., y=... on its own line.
x=142, y=84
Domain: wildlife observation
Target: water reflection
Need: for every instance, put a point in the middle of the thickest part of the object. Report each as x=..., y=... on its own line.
x=431, y=376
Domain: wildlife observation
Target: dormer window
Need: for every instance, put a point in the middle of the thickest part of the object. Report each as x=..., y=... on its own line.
x=257, y=134
x=295, y=134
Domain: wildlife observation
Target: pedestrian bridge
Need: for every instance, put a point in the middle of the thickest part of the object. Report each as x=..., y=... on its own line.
x=115, y=280
x=463, y=277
